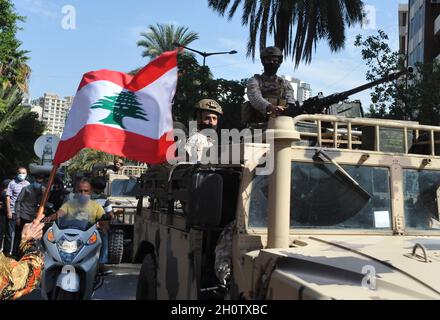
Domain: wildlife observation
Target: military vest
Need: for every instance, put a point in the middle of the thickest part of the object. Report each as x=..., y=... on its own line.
x=272, y=91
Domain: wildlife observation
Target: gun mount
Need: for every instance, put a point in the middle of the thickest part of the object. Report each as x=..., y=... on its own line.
x=319, y=103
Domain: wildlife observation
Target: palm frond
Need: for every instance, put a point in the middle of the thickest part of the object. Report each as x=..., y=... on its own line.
x=296, y=25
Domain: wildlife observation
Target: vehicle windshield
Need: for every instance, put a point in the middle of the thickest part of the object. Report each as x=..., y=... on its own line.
x=421, y=192
x=79, y=220
x=321, y=198
x=124, y=187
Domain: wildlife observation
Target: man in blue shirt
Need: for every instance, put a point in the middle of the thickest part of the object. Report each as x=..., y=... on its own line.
x=14, y=189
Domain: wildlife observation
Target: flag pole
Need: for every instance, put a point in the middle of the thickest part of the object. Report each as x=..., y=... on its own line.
x=40, y=211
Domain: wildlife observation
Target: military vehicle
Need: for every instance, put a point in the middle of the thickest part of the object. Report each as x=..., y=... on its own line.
x=121, y=190
x=351, y=211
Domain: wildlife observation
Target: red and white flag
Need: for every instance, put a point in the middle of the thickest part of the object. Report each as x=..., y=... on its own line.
x=128, y=116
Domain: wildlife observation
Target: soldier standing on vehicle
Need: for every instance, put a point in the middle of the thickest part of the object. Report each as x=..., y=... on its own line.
x=207, y=113
x=268, y=94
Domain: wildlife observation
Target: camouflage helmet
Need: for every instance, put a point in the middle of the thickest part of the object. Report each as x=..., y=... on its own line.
x=271, y=51
x=209, y=105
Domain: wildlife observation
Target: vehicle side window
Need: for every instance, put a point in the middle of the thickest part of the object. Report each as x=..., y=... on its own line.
x=420, y=196
x=321, y=198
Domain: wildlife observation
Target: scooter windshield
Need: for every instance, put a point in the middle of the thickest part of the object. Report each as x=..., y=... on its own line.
x=78, y=220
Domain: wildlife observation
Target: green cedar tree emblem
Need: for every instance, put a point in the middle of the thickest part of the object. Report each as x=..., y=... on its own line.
x=120, y=105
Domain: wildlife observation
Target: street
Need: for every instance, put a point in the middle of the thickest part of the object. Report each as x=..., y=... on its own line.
x=120, y=285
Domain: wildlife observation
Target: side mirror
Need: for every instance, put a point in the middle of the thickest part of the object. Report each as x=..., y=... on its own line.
x=205, y=203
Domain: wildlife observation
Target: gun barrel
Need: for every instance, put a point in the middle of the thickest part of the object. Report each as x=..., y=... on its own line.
x=316, y=104
x=390, y=77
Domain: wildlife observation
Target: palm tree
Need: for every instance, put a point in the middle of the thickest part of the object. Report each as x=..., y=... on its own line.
x=10, y=106
x=19, y=128
x=15, y=69
x=161, y=38
x=314, y=19
x=86, y=158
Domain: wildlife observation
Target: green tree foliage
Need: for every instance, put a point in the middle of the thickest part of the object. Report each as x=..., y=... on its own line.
x=381, y=61
x=19, y=128
x=415, y=98
x=161, y=38
x=196, y=82
x=314, y=20
x=230, y=95
x=13, y=61
x=17, y=143
x=423, y=95
x=189, y=87
x=86, y=158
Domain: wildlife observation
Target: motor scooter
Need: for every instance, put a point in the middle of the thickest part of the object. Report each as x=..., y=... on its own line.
x=72, y=248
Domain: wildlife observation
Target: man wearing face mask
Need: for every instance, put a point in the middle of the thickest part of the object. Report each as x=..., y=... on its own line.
x=14, y=189
x=81, y=207
x=207, y=113
x=27, y=204
x=268, y=94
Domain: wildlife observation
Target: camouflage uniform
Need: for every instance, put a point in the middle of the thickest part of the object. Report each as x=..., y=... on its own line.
x=267, y=91
x=18, y=278
x=263, y=90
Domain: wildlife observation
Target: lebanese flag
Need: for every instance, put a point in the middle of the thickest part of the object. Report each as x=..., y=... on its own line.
x=128, y=116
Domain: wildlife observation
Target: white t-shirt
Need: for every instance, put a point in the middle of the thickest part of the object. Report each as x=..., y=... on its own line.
x=196, y=143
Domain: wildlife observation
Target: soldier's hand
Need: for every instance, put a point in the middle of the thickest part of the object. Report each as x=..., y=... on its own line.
x=9, y=215
x=274, y=111
x=224, y=273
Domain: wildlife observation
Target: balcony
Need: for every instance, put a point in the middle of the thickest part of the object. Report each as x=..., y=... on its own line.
x=437, y=26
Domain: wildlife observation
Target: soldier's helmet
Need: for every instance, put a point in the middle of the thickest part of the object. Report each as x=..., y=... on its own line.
x=209, y=105
x=271, y=51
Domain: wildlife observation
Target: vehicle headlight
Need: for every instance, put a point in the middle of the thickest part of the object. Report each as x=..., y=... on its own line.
x=69, y=249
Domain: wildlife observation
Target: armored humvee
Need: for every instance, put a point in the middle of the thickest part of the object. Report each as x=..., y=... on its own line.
x=350, y=211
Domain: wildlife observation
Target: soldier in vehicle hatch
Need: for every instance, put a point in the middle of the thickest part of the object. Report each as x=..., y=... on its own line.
x=269, y=95
x=207, y=114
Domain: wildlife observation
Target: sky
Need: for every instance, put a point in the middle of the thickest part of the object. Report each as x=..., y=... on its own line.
x=104, y=35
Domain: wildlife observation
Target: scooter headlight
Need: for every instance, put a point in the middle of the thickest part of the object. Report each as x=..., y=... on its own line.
x=67, y=246
x=68, y=249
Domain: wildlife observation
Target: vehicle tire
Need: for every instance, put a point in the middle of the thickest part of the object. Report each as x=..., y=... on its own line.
x=115, y=246
x=128, y=251
x=66, y=295
x=146, y=285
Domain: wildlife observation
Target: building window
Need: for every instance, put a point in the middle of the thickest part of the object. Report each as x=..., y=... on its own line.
x=402, y=44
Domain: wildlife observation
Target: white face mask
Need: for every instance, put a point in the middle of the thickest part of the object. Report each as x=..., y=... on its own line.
x=21, y=176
